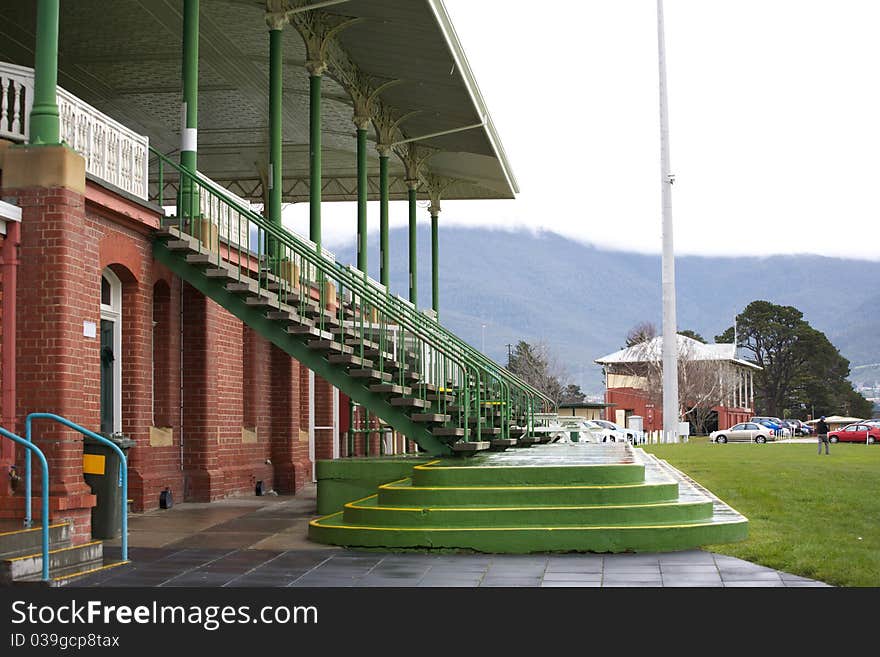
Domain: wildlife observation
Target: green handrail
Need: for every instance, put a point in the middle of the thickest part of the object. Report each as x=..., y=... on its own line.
x=478, y=377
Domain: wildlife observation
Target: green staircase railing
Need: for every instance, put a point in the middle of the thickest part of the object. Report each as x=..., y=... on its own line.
x=400, y=364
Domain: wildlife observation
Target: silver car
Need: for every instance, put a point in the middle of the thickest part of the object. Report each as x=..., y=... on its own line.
x=743, y=432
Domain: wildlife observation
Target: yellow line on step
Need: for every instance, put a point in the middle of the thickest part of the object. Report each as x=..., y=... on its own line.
x=390, y=486
x=25, y=530
x=427, y=466
x=317, y=523
x=90, y=571
x=353, y=505
x=64, y=549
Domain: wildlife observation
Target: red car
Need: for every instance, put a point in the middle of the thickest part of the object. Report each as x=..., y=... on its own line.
x=858, y=432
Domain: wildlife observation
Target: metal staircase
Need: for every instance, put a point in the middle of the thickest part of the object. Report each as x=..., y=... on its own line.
x=397, y=362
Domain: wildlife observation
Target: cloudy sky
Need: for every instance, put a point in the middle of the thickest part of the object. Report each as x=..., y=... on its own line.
x=774, y=123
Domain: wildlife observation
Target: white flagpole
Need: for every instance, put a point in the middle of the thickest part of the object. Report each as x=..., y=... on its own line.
x=670, y=337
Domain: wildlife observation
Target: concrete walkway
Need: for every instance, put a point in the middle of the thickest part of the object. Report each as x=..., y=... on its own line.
x=261, y=541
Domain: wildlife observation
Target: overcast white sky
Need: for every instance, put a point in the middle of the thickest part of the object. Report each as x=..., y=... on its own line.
x=774, y=123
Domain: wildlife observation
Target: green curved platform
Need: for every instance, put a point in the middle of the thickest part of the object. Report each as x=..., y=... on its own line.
x=584, y=498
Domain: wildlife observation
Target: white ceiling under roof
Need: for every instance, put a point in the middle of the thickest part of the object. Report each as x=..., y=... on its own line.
x=123, y=57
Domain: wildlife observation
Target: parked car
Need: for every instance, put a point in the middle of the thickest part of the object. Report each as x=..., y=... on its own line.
x=798, y=428
x=773, y=423
x=605, y=431
x=743, y=432
x=857, y=432
x=622, y=433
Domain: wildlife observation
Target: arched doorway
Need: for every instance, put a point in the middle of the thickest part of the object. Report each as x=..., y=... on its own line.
x=111, y=353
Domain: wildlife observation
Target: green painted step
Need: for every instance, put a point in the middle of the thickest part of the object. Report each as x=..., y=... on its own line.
x=451, y=473
x=520, y=540
x=585, y=498
x=367, y=512
x=402, y=493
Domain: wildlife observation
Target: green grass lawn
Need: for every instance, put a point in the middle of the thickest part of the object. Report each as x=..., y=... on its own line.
x=818, y=517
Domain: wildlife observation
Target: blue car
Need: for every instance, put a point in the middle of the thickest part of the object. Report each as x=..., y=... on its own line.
x=773, y=423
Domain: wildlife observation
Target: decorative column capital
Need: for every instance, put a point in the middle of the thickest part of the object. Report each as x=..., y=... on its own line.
x=276, y=14
x=384, y=150
x=316, y=68
x=434, y=207
x=412, y=183
x=276, y=21
x=361, y=121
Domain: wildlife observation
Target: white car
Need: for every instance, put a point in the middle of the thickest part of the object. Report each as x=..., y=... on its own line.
x=743, y=432
x=612, y=432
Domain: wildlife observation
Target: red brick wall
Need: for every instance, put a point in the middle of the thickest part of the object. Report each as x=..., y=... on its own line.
x=58, y=290
x=232, y=378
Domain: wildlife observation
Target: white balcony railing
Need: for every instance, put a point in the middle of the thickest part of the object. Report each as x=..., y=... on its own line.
x=113, y=153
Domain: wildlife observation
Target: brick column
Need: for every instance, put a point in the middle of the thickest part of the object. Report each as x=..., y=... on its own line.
x=154, y=464
x=203, y=480
x=290, y=443
x=59, y=293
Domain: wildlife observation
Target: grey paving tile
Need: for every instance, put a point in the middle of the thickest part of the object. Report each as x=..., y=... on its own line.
x=687, y=557
x=572, y=577
x=453, y=584
x=579, y=585
x=692, y=581
x=675, y=569
x=745, y=575
x=646, y=584
x=576, y=567
x=631, y=577
x=805, y=584
x=754, y=583
x=627, y=569
x=632, y=559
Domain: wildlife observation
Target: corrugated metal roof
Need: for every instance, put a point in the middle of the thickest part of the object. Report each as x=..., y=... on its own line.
x=123, y=57
x=652, y=350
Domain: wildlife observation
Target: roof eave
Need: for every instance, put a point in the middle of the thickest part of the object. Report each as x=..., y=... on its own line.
x=457, y=52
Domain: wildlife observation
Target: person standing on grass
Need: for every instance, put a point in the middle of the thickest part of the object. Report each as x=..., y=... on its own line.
x=822, y=433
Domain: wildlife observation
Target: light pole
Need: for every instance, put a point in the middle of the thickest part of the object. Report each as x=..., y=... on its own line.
x=483, y=342
x=670, y=337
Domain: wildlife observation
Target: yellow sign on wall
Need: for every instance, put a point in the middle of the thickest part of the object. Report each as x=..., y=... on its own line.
x=93, y=464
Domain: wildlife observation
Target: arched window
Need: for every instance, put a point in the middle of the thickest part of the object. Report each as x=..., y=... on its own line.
x=111, y=353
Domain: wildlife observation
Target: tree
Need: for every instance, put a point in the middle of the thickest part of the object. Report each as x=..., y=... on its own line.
x=536, y=366
x=693, y=335
x=572, y=394
x=641, y=332
x=802, y=372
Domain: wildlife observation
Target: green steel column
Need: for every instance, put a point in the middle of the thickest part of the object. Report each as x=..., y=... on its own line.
x=384, y=271
x=276, y=91
x=315, y=160
x=435, y=263
x=45, y=126
x=275, y=138
x=362, y=198
x=413, y=264
x=190, y=110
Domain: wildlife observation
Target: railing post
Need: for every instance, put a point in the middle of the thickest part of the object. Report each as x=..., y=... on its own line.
x=45, y=125
x=44, y=507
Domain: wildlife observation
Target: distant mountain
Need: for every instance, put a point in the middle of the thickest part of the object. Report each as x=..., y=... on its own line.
x=581, y=300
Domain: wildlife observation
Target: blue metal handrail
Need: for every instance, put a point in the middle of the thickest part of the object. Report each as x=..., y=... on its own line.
x=44, y=513
x=123, y=467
